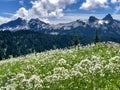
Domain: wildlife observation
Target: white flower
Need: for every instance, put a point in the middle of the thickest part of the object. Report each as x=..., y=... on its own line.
x=62, y=62
x=115, y=59
x=38, y=87
x=60, y=70
x=86, y=63
x=76, y=73
x=31, y=67
x=36, y=79
x=59, y=73
x=52, y=78
x=21, y=75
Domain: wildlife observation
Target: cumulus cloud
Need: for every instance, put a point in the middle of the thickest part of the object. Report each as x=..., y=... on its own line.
x=22, y=12
x=54, y=9
x=44, y=9
x=50, y=8
x=93, y=4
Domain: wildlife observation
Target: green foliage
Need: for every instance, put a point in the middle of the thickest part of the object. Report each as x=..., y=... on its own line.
x=92, y=67
x=25, y=42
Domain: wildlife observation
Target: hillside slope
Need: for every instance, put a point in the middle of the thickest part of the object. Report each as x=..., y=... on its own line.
x=92, y=67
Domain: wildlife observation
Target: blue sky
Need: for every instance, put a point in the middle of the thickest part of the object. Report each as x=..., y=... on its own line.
x=57, y=11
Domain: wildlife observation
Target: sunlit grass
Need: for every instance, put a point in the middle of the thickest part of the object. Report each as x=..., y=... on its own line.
x=91, y=67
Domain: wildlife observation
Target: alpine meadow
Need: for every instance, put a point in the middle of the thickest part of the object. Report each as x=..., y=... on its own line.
x=91, y=67
x=59, y=44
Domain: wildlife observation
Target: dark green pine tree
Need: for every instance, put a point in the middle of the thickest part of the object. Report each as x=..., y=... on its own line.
x=96, y=36
x=76, y=40
x=0, y=55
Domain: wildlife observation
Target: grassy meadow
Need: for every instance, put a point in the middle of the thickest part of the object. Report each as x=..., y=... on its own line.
x=91, y=67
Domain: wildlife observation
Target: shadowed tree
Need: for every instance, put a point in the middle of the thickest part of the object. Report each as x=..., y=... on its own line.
x=76, y=40
x=0, y=55
x=96, y=36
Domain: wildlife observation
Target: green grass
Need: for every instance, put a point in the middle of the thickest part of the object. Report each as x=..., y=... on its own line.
x=92, y=67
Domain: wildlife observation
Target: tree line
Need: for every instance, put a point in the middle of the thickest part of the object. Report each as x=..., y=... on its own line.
x=13, y=44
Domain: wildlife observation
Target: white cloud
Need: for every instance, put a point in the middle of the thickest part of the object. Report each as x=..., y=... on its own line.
x=93, y=4
x=114, y=1
x=22, y=12
x=117, y=9
x=21, y=2
x=57, y=12
x=117, y=5
x=4, y=20
x=50, y=8
x=75, y=16
x=116, y=16
x=44, y=9
x=72, y=17
x=45, y=20
x=8, y=14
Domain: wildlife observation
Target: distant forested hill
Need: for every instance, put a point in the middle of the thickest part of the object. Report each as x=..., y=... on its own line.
x=13, y=44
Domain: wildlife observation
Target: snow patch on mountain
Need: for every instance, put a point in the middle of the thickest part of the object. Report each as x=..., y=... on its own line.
x=103, y=22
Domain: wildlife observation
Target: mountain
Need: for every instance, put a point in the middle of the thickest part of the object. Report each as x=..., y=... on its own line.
x=36, y=24
x=68, y=26
x=109, y=28
x=19, y=23
x=108, y=17
x=92, y=19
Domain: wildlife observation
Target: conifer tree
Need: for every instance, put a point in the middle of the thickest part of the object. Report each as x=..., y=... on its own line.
x=96, y=36
x=76, y=40
x=0, y=55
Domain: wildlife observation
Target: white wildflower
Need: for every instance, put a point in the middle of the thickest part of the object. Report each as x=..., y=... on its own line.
x=36, y=79
x=52, y=78
x=85, y=63
x=24, y=81
x=38, y=87
x=62, y=62
x=21, y=75
x=60, y=70
x=76, y=73
x=59, y=73
x=115, y=59
x=31, y=67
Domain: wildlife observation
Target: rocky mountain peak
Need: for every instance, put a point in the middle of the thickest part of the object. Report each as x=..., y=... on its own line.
x=108, y=17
